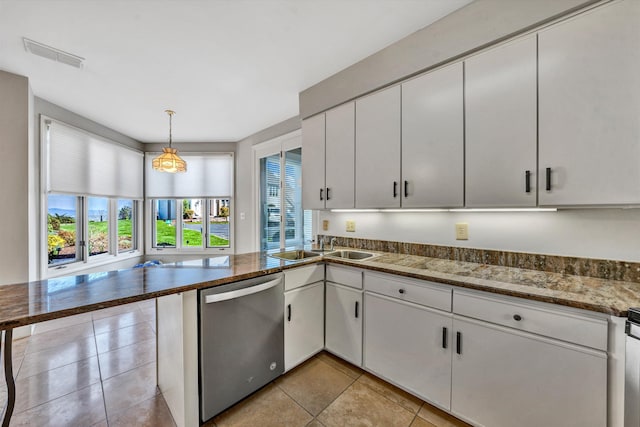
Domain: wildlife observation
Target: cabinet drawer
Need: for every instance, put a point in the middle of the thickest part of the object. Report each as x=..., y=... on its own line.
x=301, y=276
x=417, y=291
x=539, y=318
x=351, y=277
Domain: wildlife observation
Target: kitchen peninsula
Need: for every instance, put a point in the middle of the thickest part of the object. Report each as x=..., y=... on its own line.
x=37, y=301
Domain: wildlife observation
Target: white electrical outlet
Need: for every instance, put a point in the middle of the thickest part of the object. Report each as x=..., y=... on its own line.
x=462, y=231
x=351, y=226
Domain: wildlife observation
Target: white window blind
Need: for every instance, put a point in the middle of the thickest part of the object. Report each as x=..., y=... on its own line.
x=207, y=175
x=82, y=163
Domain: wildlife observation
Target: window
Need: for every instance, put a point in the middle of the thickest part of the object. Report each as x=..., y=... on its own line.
x=219, y=213
x=69, y=221
x=63, y=228
x=192, y=211
x=283, y=222
x=203, y=221
x=127, y=225
x=98, y=225
x=92, y=191
x=164, y=212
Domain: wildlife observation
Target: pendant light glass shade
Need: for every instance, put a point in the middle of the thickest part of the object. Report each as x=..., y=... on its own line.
x=169, y=160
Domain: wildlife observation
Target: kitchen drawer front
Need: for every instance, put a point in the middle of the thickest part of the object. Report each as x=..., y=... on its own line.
x=538, y=318
x=420, y=292
x=351, y=277
x=301, y=276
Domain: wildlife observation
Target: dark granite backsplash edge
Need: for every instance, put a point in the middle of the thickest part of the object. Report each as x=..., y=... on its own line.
x=599, y=268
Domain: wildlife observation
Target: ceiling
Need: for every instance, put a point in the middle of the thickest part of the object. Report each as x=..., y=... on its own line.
x=229, y=68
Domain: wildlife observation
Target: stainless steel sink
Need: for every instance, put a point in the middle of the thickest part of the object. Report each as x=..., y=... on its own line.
x=293, y=255
x=348, y=254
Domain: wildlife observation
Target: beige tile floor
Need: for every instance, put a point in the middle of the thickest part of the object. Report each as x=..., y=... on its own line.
x=327, y=391
x=98, y=369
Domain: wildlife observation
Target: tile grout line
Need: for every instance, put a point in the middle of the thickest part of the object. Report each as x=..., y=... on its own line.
x=329, y=404
x=390, y=400
x=292, y=399
x=104, y=401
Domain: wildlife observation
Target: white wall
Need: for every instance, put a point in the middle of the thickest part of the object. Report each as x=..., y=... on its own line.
x=590, y=233
x=15, y=105
x=462, y=32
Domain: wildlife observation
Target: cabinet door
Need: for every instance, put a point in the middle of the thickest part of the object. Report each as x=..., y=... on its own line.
x=340, y=157
x=500, y=107
x=589, y=104
x=303, y=324
x=433, y=140
x=378, y=150
x=410, y=346
x=504, y=378
x=313, y=159
x=343, y=330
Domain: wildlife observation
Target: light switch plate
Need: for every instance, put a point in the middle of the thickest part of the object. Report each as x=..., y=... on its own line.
x=325, y=225
x=351, y=226
x=462, y=231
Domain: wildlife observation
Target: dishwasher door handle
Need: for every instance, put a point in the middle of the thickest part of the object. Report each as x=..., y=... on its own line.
x=225, y=296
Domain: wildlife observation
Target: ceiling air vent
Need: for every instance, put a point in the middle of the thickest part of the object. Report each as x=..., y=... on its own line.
x=52, y=53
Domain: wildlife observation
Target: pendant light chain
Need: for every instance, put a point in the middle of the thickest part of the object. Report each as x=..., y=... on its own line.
x=170, y=113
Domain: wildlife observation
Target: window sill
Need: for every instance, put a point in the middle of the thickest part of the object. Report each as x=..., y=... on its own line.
x=80, y=267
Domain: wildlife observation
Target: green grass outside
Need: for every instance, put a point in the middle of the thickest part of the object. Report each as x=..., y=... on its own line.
x=124, y=227
x=166, y=233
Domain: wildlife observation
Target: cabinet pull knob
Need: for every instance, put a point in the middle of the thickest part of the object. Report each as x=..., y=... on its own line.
x=406, y=189
x=527, y=181
x=395, y=189
x=328, y=193
x=459, y=342
x=401, y=290
x=321, y=190
x=357, y=306
x=517, y=317
x=444, y=337
x=288, y=312
x=548, y=179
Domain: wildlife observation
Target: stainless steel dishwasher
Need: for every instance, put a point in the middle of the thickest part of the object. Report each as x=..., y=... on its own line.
x=241, y=340
x=632, y=370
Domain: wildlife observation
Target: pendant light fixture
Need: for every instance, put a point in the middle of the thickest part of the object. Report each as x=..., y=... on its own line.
x=169, y=161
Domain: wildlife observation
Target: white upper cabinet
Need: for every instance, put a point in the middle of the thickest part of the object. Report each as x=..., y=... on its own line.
x=340, y=157
x=313, y=155
x=590, y=108
x=328, y=151
x=433, y=139
x=378, y=150
x=501, y=126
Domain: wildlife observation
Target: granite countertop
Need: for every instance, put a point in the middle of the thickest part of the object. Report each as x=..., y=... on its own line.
x=37, y=301
x=612, y=297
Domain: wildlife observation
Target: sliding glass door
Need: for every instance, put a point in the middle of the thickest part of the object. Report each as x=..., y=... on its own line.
x=283, y=223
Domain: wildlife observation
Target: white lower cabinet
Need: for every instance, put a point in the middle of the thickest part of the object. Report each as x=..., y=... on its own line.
x=410, y=346
x=493, y=361
x=303, y=323
x=343, y=322
x=504, y=377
